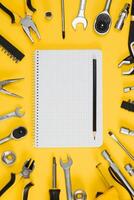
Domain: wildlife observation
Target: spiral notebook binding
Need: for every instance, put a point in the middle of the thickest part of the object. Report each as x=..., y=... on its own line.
x=36, y=95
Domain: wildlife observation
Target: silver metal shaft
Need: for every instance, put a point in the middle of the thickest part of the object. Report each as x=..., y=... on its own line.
x=63, y=18
x=54, y=173
x=108, y=5
x=115, y=168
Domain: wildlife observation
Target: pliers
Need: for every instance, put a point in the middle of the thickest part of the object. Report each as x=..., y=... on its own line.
x=130, y=59
x=27, y=169
x=26, y=22
x=7, y=82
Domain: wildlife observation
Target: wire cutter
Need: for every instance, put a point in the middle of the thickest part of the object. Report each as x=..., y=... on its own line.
x=27, y=169
x=26, y=22
x=7, y=82
x=130, y=59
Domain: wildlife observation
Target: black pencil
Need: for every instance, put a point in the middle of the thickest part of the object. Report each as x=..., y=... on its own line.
x=94, y=97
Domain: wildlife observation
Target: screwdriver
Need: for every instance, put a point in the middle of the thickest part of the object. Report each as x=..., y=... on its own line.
x=54, y=192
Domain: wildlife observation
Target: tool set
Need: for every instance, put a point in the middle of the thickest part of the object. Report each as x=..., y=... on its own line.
x=102, y=25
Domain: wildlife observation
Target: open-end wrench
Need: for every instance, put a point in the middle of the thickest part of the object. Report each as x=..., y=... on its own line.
x=66, y=167
x=80, y=19
x=17, y=113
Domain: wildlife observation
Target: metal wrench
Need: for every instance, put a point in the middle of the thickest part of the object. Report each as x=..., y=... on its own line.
x=66, y=167
x=81, y=19
x=17, y=113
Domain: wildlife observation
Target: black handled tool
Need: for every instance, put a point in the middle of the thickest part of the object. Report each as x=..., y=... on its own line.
x=54, y=192
x=130, y=59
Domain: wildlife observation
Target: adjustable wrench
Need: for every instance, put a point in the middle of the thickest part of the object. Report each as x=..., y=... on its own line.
x=81, y=19
x=66, y=167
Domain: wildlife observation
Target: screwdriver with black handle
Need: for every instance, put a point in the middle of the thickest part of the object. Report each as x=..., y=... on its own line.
x=54, y=192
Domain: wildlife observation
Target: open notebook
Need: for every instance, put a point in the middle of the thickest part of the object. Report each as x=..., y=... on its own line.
x=67, y=108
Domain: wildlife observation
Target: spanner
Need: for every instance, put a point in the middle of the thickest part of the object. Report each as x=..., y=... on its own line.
x=66, y=167
x=17, y=113
x=81, y=19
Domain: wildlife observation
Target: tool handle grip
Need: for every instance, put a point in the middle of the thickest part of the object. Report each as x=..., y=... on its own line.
x=54, y=194
x=30, y=6
x=132, y=9
x=8, y=185
x=9, y=12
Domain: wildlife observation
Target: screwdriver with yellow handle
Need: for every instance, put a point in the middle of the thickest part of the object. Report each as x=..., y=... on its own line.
x=54, y=192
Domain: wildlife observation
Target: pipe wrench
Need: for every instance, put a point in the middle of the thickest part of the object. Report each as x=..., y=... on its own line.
x=130, y=59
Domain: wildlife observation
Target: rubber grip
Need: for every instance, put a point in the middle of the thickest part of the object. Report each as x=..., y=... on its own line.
x=8, y=185
x=131, y=35
x=54, y=194
x=26, y=190
x=7, y=11
x=132, y=9
x=29, y=4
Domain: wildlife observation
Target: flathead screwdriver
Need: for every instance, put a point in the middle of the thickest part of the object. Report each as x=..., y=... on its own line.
x=54, y=192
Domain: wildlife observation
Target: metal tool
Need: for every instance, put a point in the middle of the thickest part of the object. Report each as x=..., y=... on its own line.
x=54, y=192
x=66, y=167
x=103, y=21
x=126, y=131
x=48, y=15
x=8, y=157
x=123, y=15
x=17, y=113
x=128, y=89
x=10, y=50
x=94, y=98
x=128, y=105
x=7, y=82
x=130, y=169
x=27, y=168
x=25, y=173
x=129, y=72
x=79, y=195
x=130, y=59
x=121, y=145
x=81, y=19
x=63, y=18
x=26, y=22
x=117, y=172
x=16, y=134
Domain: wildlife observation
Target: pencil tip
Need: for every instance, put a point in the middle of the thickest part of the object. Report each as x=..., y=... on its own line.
x=94, y=135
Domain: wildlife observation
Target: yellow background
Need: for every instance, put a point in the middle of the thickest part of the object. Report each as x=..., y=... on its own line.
x=114, y=48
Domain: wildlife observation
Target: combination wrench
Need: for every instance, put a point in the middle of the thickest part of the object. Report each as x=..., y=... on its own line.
x=81, y=19
x=66, y=167
x=17, y=113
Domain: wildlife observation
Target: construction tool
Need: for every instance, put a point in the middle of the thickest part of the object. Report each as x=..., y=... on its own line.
x=66, y=167
x=63, y=18
x=130, y=59
x=94, y=98
x=27, y=169
x=13, y=53
x=54, y=192
x=8, y=157
x=121, y=145
x=117, y=174
x=130, y=169
x=128, y=89
x=103, y=21
x=80, y=18
x=7, y=82
x=79, y=195
x=126, y=131
x=123, y=15
x=128, y=105
x=109, y=188
x=17, y=113
x=26, y=22
x=16, y=134
x=48, y=15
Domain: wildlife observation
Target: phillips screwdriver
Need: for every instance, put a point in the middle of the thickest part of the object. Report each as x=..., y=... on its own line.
x=54, y=192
